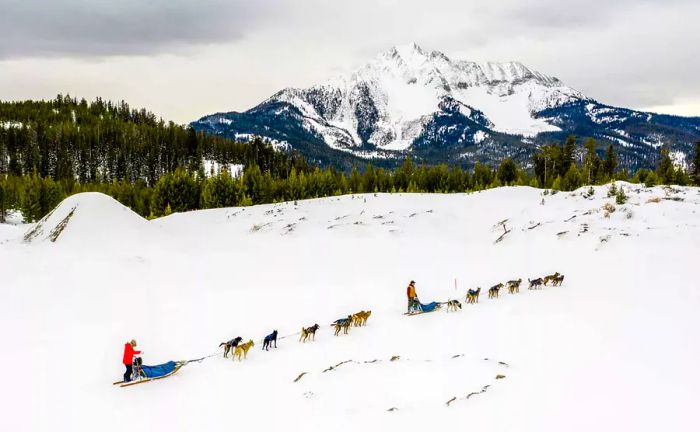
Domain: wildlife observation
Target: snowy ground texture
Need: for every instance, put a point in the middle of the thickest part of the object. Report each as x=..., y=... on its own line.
x=614, y=348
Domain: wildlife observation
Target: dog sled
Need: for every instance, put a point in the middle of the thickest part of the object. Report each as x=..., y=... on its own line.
x=421, y=308
x=143, y=373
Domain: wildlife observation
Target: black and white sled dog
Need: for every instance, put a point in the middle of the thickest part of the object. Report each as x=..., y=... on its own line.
x=270, y=340
x=230, y=345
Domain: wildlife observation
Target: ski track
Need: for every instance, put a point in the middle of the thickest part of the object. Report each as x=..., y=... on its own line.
x=611, y=349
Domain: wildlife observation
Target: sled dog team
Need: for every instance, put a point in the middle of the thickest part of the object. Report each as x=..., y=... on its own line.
x=240, y=350
x=513, y=286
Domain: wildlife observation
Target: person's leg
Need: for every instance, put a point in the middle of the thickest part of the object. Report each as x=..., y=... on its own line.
x=410, y=305
x=127, y=374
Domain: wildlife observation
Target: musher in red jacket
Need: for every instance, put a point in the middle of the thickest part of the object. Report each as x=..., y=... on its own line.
x=129, y=354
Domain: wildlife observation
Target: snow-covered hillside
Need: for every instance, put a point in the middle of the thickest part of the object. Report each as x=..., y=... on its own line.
x=611, y=349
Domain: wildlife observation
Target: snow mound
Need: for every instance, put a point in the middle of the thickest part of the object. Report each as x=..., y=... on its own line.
x=87, y=217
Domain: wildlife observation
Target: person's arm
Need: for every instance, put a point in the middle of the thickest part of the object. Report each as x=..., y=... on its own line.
x=137, y=352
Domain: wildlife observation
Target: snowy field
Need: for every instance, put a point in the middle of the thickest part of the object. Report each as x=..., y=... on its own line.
x=614, y=348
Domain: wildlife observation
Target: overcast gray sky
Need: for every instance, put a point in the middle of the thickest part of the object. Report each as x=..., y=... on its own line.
x=186, y=58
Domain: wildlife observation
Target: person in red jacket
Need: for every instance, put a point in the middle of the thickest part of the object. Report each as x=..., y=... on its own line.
x=129, y=353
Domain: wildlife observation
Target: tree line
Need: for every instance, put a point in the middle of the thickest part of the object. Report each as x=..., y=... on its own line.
x=102, y=142
x=53, y=149
x=563, y=167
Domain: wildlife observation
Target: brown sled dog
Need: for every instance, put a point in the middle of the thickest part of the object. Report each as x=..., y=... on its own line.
x=242, y=350
x=342, y=324
x=473, y=296
x=550, y=278
x=514, y=286
x=308, y=333
x=493, y=291
x=559, y=279
x=360, y=318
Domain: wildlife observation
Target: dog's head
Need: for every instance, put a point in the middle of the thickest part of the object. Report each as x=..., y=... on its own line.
x=315, y=327
x=274, y=333
x=458, y=304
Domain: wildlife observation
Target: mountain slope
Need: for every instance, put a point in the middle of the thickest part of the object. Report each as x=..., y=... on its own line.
x=409, y=99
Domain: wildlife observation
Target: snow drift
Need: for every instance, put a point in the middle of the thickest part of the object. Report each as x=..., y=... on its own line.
x=608, y=350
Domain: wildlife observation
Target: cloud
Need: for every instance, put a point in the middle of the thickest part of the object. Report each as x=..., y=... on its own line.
x=232, y=54
x=99, y=28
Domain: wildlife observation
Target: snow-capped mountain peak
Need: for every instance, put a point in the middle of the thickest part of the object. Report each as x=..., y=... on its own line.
x=388, y=102
x=409, y=98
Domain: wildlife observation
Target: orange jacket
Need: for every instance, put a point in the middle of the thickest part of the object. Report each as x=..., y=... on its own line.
x=411, y=291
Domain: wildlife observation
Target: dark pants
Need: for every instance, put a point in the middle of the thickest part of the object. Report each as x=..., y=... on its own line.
x=127, y=374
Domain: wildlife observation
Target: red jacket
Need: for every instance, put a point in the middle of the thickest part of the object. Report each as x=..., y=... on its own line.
x=129, y=353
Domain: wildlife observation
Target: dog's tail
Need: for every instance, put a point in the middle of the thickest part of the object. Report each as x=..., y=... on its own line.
x=222, y=344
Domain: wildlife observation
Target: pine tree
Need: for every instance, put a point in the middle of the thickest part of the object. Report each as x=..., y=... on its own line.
x=481, y=176
x=568, y=156
x=51, y=195
x=31, y=198
x=556, y=184
x=665, y=171
x=355, y=182
x=3, y=200
x=219, y=191
x=651, y=179
x=681, y=177
x=247, y=201
x=572, y=179
x=589, y=193
x=507, y=171
x=620, y=196
x=591, y=162
x=610, y=163
x=547, y=164
x=695, y=165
